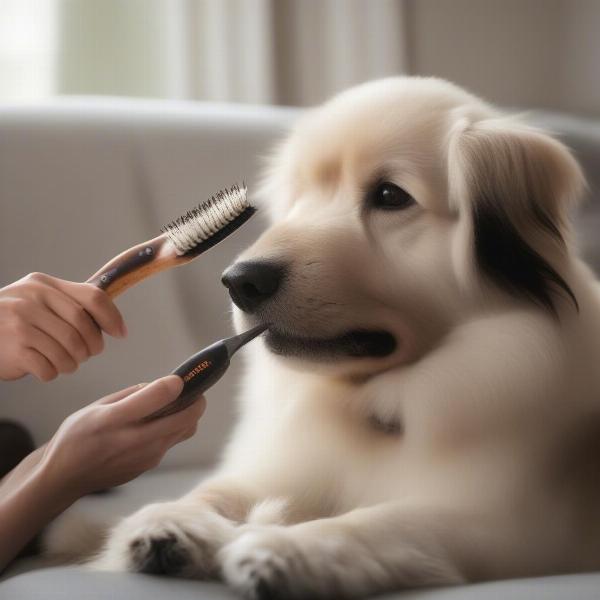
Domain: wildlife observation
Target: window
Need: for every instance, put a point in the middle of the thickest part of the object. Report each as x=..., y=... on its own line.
x=27, y=49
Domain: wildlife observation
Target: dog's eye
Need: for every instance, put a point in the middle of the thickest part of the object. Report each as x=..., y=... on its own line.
x=389, y=196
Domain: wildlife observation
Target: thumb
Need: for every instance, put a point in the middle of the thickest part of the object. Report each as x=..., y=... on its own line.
x=148, y=399
x=116, y=396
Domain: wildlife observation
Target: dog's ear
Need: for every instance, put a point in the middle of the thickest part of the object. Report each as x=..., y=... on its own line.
x=517, y=185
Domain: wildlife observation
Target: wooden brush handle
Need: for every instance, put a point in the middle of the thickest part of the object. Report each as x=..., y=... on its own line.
x=136, y=264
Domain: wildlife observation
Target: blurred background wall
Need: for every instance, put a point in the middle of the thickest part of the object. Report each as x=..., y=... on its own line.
x=542, y=53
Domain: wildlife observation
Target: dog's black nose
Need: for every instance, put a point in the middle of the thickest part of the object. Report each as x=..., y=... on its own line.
x=252, y=282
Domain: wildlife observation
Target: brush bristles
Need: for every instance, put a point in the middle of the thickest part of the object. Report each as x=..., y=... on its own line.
x=207, y=219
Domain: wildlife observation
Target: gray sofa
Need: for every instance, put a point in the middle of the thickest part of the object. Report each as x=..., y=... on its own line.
x=81, y=179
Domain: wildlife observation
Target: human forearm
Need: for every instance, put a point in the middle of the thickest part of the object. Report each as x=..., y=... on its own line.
x=21, y=471
x=103, y=445
x=28, y=502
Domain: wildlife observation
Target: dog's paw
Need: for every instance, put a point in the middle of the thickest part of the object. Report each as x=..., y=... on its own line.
x=312, y=561
x=171, y=538
x=271, y=564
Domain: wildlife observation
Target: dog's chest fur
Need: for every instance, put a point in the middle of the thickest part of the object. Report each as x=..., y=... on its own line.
x=407, y=432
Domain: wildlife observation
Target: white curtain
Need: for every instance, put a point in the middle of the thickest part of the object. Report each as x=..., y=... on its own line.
x=295, y=52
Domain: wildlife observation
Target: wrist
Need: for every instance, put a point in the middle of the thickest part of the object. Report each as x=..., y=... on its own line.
x=59, y=491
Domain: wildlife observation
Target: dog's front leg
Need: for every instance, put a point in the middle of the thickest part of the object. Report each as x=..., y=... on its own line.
x=179, y=537
x=356, y=554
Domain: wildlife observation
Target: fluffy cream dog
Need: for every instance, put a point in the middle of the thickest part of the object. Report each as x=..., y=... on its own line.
x=425, y=408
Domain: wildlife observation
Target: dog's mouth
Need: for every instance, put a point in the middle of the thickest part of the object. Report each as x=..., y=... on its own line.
x=358, y=343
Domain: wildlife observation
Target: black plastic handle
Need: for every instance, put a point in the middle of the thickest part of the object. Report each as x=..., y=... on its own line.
x=199, y=372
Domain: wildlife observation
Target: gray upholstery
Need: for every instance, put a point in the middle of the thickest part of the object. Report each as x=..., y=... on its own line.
x=70, y=583
x=80, y=180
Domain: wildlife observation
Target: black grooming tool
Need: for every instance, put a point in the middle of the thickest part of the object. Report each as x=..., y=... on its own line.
x=202, y=370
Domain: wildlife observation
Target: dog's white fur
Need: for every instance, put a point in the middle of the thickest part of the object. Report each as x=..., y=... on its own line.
x=469, y=453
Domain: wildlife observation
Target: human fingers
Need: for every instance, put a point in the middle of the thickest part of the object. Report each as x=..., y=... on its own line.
x=63, y=333
x=97, y=303
x=120, y=394
x=174, y=425
x=48, y=347
x=73, y=313
x=148, y=399
x=38, y=365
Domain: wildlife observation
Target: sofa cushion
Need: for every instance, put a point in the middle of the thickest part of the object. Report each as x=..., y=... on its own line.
x=66, y=583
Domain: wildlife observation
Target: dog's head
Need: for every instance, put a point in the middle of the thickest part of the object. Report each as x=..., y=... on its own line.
x=398, y=209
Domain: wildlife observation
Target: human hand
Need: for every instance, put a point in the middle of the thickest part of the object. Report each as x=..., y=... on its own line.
x=107, y=444
x=49, y=326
